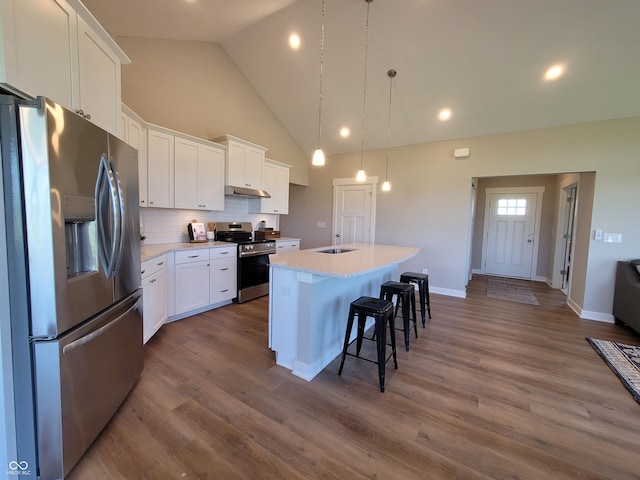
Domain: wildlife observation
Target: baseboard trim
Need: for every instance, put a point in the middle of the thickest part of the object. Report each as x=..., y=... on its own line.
x=448, y=292
x=590, y=315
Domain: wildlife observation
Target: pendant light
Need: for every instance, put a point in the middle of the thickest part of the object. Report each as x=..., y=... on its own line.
x=386, y=186
x=318, y=155
x=361, y=175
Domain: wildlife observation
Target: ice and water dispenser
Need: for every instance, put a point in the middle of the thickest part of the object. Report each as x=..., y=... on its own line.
x=80, y=232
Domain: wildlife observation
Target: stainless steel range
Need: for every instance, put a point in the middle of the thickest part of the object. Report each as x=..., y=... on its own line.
x=253, y=258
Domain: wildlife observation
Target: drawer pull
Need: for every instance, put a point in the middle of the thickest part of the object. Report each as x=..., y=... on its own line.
x=161, y=263
x=225, y=290
x=193, y=256
x=143, y=272
x=224, y=253
x=223, y=269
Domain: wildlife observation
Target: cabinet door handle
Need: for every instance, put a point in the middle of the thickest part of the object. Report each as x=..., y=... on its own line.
x=161, y=263
x=142, y=273
x=223, y=269
x=225, y=290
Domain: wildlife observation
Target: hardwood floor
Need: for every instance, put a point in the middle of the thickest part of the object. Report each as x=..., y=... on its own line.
x=491, y=389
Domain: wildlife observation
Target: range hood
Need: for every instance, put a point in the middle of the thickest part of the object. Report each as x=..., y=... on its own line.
x=245, y=192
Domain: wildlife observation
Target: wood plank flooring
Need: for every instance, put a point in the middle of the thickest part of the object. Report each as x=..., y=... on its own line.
x=490, y=389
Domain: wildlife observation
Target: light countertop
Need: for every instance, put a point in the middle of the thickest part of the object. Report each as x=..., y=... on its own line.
x=285, y=239
x=149, y=251
x=364, y=258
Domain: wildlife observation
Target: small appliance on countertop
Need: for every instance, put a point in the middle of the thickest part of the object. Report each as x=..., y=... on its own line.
x=266, y=234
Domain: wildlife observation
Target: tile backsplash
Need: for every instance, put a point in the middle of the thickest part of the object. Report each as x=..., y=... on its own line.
x=166, y=225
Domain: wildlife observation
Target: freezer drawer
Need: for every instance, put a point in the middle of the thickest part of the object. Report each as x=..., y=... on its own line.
x=81, y=380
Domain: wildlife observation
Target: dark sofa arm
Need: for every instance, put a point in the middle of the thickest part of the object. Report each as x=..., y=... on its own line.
x=626, y=298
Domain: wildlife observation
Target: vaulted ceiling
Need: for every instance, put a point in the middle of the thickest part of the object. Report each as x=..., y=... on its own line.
x=482, y=59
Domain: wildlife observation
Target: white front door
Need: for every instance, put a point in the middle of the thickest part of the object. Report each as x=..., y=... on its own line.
x=353, y=212
x=511, y=232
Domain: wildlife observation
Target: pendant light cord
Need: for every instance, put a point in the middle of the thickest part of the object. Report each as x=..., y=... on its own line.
x=391, y=73
x=364, y=94
x=321, y=65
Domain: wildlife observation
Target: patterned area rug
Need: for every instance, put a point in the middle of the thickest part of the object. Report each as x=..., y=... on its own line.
x=510, y=289
x=624, y=360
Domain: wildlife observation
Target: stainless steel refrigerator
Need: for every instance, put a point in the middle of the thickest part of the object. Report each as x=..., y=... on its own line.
x=73, y=260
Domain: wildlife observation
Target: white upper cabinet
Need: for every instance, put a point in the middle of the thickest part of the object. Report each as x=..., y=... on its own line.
x=244, y=162
x=199, y=175
x=99, y=76
x=39, y=48
x=275, y=181
x=55, y=48
x=134, y=132
x=160, y=160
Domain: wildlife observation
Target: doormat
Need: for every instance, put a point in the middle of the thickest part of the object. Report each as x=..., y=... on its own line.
x=510, y=289
x=624, y=360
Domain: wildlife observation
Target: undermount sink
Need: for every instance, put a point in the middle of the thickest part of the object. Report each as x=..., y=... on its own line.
x=335, y=250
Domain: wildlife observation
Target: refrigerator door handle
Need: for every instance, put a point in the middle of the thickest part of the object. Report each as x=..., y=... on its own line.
x=96, y=333
x=119, y=216
x=107, y=241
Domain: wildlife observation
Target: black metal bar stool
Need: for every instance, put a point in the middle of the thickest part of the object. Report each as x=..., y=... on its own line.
x=406, y=295
x=382, y=312
x=422, y=280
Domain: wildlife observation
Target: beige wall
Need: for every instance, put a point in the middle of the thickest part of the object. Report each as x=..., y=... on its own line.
x=195, y=88
x=429, y=205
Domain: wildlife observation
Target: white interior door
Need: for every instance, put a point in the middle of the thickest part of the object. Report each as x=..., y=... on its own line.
x=510, y=226
x=353, y=212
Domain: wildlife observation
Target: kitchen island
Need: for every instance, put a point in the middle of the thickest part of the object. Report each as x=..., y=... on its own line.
x=309, y=296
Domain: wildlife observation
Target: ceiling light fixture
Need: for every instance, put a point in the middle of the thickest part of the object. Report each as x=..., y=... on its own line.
x=386, y=186
x=294, y=41
x=553, y=73
x=444, y=115
x=361, y=176
x=318, y=155
x=345, y=132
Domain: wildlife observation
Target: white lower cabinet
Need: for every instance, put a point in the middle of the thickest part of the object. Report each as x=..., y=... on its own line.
x=191, y=279
x=287, y=245
x=155, y=290
x=223, y=274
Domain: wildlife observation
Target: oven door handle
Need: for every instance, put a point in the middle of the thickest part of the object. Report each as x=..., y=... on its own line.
x=255, y=254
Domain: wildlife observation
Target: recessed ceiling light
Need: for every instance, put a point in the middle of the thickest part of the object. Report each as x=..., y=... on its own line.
x=554, y=72
x=444, y=115
x=345, y=132
x=294, y=41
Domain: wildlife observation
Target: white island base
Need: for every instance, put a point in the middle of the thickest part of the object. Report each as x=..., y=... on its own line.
x=309, y=298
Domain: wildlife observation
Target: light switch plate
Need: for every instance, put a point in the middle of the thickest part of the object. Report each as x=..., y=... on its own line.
x=612, y=238
x=597, y=235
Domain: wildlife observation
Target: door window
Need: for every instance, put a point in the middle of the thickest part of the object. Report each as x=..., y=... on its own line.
x=512, y=206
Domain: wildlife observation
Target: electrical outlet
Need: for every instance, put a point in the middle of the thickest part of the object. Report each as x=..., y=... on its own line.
x=425, y=271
